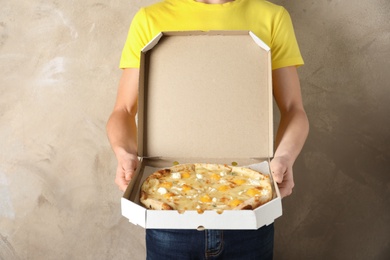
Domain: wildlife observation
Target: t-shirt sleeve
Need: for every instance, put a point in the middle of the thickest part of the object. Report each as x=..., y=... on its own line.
x=285, y=50
x=137, y=38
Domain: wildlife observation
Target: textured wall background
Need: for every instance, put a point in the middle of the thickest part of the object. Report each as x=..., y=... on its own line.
x=58, y=79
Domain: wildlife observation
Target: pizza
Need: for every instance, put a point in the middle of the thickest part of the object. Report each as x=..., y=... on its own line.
x=203, y=187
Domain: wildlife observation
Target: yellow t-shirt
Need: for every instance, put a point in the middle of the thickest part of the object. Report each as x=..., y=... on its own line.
x=268, y=21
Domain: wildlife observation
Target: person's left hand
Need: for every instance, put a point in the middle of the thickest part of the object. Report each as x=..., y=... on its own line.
x=282, y=172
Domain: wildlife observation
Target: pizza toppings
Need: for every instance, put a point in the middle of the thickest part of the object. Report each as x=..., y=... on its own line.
x=203, y=187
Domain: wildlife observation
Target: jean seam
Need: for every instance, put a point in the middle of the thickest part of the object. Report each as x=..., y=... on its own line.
x=214, y=252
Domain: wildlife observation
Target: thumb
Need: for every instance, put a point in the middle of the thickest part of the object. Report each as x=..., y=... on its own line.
x=129, y=174
x=129, y=169
x=278, y=171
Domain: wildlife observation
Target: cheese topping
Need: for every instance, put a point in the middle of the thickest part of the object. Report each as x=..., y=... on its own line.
x=205, y=188
x=176, y=175
x=162, y=190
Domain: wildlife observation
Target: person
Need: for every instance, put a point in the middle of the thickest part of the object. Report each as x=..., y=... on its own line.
x=273, y=25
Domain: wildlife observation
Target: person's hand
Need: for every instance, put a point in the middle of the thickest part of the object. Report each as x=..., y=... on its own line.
x=282, y=172
x=127, y=164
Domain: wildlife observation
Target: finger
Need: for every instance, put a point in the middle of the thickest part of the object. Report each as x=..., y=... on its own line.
x=278, y=176
x=120, y=179
x=286, y=187
x=129, y=174
x=277, y=172
x=283, y=191
x=121, y=183
x=130, y=170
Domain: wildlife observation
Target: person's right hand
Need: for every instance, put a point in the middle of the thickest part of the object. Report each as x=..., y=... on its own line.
x=127, y=164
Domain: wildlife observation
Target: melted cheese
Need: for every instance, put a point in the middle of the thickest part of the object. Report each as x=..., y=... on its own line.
x=208, y=190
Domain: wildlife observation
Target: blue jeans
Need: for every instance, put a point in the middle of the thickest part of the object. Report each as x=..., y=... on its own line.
x=167, y=244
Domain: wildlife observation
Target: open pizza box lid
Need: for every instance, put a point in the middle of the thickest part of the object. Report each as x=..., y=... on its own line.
x=204, y=97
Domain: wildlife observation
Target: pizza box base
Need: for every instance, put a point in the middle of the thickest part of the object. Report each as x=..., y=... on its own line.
x=172, y=219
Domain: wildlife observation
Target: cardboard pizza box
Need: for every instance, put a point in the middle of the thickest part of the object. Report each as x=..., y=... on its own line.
x=204, y=97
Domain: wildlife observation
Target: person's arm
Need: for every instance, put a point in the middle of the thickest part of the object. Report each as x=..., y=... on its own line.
x=293, y=128
x=122, y=129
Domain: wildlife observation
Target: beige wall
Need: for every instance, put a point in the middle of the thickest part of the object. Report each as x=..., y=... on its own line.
x=58, y=78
